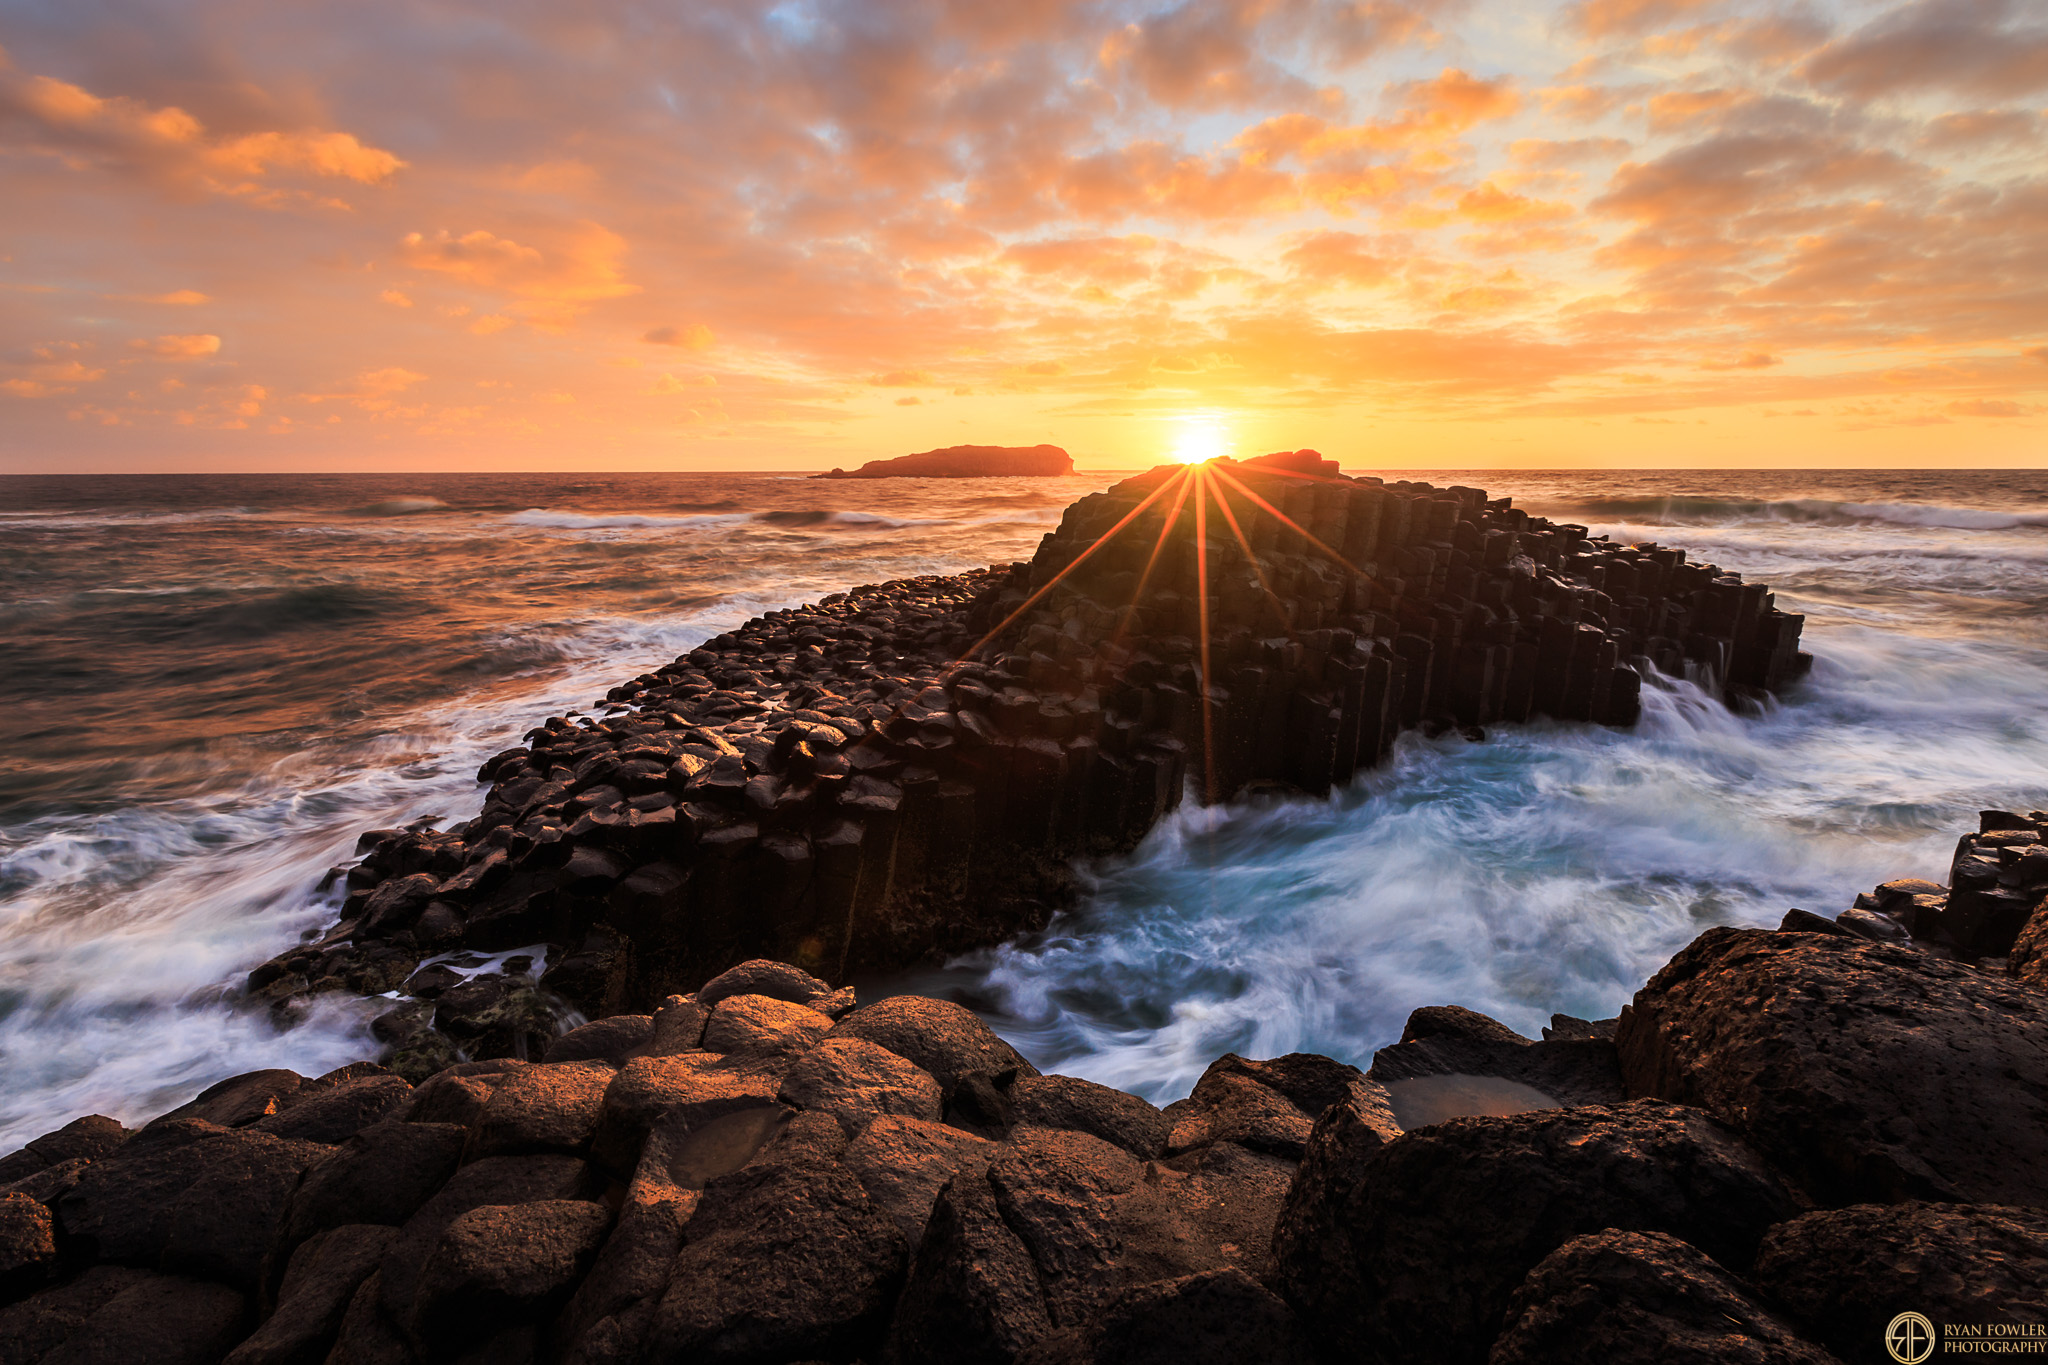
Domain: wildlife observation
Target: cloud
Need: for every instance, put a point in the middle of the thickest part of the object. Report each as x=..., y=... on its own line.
x=167, y=145
x=900, y=379
x=1545, y=154
x=1341, y=258
x=1986, y=407
x=1985, y=48
x=48, y=369
x=177, y=298
x=178, y=347
x=695, y=337
x=580, y=266
x=1748, y=360
x=910, y=402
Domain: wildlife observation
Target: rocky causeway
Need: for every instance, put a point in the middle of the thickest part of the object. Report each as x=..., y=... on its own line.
x=627, y=1109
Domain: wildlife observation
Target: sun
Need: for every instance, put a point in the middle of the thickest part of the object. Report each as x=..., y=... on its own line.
x=1201, y=439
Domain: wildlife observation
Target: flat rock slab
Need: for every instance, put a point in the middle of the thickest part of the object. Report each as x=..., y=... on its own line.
x=1845, y=1274
x=1870, y=1073
x=1642, y=1298
x=1410, y=1250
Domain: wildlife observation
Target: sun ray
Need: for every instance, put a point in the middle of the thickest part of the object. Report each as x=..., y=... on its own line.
x=1287, y=521
x=1158, y=546
x=1072, y=565
x=1206, y=681
x=1280, y=610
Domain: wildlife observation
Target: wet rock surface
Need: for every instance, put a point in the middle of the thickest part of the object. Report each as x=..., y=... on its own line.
x=1643, y=1298
x=908, y=769
x=1411, y=1249
x=1869, y=1072
x=1844, y=1274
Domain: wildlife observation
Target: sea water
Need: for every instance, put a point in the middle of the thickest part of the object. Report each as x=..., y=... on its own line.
x=212, y=684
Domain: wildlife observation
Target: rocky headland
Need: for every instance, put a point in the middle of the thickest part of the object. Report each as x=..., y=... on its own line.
x=966, y=462
x=1786, y=1140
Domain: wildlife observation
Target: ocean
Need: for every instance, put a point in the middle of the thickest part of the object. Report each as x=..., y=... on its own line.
x=212, y=684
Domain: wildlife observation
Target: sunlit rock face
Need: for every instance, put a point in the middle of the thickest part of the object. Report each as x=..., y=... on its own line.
x=910, y=768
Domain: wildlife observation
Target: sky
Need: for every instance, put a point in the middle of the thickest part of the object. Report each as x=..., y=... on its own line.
x=305, y=235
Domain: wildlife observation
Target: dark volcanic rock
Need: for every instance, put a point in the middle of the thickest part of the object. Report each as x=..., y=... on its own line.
x=188, y=1195
x=1085, y=1107
x=553, y=1107
x=497, y=1180
x=903, y=1163
x=1410, y=1252
x=776, y=980
x=159, y=1319
x=972, y=1291
x=239, y=1100
x=337, y=1113
x=617, y=1040
x=1867, y=1071
x=1445, y=1053
x=1642, y=1298
x=857, y=1082
x=323, y=1276
x=1268, y=1106
x=1219, y=1317
x=89, y=1138
x=381, y=1175
x=28, y=1244
x=945, y=1039
x=784, y=1261
x=1844, y=1274
x=498, y=1266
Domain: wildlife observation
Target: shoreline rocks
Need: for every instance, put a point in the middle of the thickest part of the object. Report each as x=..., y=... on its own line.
x=966, y=462
x=1784, y=1141
x=911, y=769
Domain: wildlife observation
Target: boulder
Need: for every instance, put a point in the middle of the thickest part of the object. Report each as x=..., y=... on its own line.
x=693, y=1087
x=617, y=1039
x=1642, y=1298
x=323, y=1276
x=459, y=1094
x=972, y=1292
x=783, y=1260
x=89, y=1138
x=31, y=1328
x=1869, y=1072
x=1409, y=1250
x=499, y=1266
x=1085, y=1107
x=1056, y=1190
x=1269, y=1106
x=2029, y=960
x=381, y=1175
x=190, y=1195
x=49, y=1185
x=856, y=1082
x=678, y=1027
x=761, y=1026
x=334, y=1114
x=160, y=1320
x=494, y=1180
x=549, y=1108
x=944, y=1038
x=1210, y=1209
x=1843, y=1274
x=238, y=1100
x=903, y=1163
x=28, y=1244
x=1218, y=1317
x=776, y=980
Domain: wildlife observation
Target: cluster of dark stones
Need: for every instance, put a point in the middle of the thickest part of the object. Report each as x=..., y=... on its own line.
x=910, y=769
x=1785, y=1141
x=1996, y=879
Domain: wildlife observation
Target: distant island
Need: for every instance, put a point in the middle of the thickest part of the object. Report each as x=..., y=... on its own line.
x=966, y=462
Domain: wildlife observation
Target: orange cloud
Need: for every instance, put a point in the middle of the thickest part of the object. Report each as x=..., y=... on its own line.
x=1980, y=47
x=170, y=146
x=185, y=347
x=549, y=287
x=695, y=337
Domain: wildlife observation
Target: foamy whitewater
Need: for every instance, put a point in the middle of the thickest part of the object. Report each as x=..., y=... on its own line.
x=213, y=685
